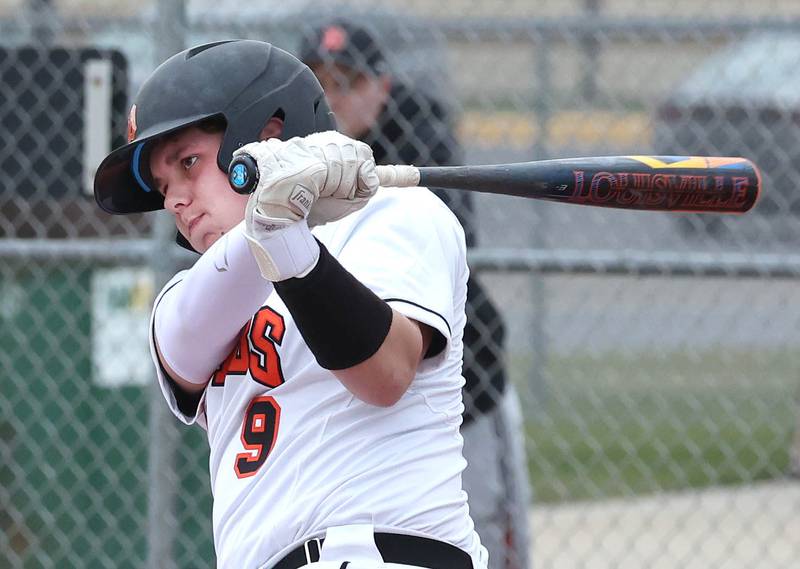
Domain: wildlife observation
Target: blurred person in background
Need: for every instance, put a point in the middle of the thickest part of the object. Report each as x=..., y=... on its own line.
x=404, y=126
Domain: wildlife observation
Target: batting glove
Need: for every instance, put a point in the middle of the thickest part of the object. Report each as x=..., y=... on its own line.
x=351, y=179
x=290, y=181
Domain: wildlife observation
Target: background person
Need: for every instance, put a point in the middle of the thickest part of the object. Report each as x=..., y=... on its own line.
x=404, y=126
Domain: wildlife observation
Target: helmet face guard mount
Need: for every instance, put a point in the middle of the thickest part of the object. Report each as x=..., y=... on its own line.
x=243, y=82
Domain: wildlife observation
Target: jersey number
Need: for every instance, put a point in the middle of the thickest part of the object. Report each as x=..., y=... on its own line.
x=259, y=432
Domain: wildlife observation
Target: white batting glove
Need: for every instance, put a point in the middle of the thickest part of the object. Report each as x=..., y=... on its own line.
x=351, y=167
x=351, y=179
x=275, y=218
x=291, y=178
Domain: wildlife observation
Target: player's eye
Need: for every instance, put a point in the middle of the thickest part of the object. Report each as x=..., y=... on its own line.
x=189, y=161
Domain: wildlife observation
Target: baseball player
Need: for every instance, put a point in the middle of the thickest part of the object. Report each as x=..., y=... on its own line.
x=318, y=337
x=404, y=126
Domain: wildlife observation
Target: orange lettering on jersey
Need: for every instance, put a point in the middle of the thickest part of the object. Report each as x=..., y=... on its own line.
x=267, y=331
x=262, y=360
x=237, y=362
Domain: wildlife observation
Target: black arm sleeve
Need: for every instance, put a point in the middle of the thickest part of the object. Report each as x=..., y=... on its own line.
x=341, y=320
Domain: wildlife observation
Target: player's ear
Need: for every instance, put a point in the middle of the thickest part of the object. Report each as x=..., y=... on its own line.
x=273, y=129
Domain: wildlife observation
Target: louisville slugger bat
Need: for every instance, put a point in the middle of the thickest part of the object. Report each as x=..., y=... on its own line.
x=700, y=184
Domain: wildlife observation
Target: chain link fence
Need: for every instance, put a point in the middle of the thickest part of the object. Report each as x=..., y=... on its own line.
x=654, y=355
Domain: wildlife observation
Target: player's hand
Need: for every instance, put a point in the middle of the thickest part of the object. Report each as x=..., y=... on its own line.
x=351, y=179
x=351, y=167
x=275, y=218
x=290, y=181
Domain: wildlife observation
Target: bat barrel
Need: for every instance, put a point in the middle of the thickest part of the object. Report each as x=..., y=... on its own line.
x=651, y=183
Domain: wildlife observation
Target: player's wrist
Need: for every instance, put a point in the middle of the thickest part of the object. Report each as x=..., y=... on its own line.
x=287, y=253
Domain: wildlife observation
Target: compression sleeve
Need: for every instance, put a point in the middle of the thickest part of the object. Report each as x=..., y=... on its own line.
x=341, y=320
x=198, y=318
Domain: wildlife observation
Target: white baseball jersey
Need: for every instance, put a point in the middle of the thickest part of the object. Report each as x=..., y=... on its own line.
x=293, y=452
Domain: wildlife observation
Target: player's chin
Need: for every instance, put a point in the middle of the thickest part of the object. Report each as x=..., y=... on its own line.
x=204, y=241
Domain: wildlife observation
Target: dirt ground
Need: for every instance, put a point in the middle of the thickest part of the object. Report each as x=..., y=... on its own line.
x=746, y=527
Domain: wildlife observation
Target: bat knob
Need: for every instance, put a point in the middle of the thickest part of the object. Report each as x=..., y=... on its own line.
x=243, y=174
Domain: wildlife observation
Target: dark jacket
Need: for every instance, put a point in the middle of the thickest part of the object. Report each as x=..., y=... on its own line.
x=415, y=129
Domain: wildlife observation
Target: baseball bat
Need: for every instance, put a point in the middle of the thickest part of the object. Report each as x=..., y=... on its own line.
x=699, y=184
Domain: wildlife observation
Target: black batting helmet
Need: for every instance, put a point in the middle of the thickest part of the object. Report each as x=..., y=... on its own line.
x=242, y=82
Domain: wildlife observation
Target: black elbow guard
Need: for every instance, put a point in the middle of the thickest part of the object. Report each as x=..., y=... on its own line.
x=341, y=320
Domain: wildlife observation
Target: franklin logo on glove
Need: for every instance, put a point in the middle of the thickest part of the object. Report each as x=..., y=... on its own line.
x=303, y=198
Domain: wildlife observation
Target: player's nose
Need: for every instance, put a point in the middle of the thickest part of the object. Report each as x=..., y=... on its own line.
x=177, y=197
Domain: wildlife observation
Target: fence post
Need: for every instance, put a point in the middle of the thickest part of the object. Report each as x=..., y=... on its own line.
x=171, y=25
x=794, y=451
x=542, y=105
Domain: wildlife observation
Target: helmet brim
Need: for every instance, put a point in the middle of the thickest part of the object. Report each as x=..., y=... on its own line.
x=120, y=183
